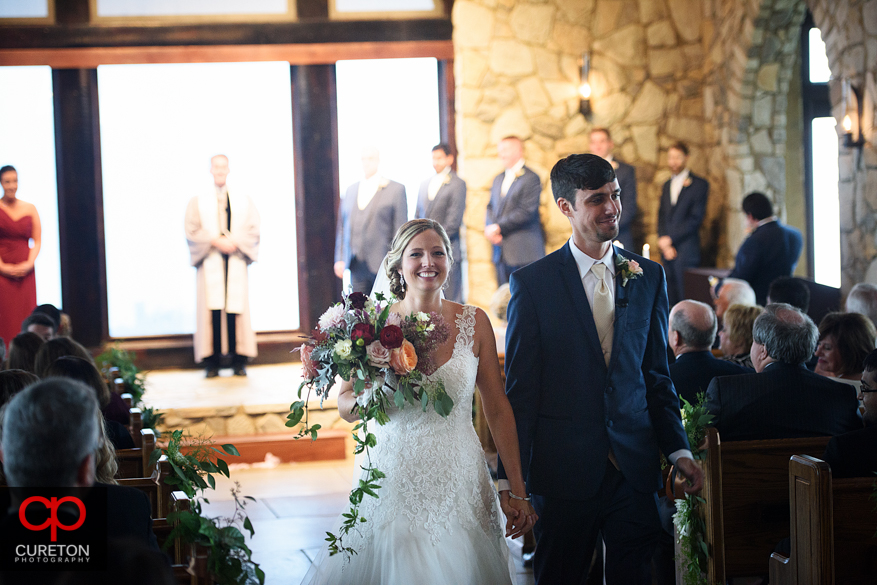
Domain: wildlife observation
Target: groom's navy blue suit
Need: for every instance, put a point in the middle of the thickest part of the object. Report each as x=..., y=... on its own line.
x=570, y=408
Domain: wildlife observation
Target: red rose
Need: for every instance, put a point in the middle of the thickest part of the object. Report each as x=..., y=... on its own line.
x=363, y=331
x=357, y=300
x=391, y=336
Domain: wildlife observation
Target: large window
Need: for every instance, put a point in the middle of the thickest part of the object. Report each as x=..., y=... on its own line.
x=391, y=104
x=28, y=122
x=821, y=160
x=160, y=124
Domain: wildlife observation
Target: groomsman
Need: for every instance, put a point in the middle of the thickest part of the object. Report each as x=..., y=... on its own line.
x=683, y=206
x=370, y=213
x=513, y=225
x=602, y=146
x=443, y=198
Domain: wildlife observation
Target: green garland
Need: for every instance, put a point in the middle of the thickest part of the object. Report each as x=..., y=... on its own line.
x=688, y=521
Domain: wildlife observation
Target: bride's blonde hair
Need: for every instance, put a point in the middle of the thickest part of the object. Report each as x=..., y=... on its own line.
x=403, y=237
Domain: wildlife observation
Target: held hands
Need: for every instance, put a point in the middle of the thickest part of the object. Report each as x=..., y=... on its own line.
x=668, y=251
x=520, y=515
x=692, y=472
x=493, y=235
x=224, y=245
x=19, y=270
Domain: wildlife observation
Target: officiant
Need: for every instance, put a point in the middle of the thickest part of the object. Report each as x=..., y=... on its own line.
x=222, y=229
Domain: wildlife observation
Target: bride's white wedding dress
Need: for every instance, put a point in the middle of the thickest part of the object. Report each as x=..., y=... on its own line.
x=437, y=520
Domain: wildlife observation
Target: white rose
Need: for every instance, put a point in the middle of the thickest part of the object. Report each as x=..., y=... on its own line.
x=422, y=317
x=343, y=348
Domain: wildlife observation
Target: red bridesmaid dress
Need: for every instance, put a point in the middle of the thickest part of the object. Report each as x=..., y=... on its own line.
x=18, y=296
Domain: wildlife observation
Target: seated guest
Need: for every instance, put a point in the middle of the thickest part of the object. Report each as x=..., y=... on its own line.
x=14, y=381
x=55, y=348
x=23, y=351
x=772, y=249
x=790, y=290
x=845, y=340
x=52, y=312
x=79, y=369
x=735, y=336
x=783, y=400
x=863, y=299
x=733, y=292
x=50, y=433
x=854, y=454
x=692, y=331
x=41, y=324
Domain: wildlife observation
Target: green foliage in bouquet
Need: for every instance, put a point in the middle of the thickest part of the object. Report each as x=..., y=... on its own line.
x=688, y=518
x=229, y=558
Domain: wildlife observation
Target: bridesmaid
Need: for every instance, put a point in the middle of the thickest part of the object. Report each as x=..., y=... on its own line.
x=19, y=223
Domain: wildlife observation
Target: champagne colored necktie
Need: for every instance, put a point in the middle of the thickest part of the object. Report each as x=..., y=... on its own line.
x=604, y=310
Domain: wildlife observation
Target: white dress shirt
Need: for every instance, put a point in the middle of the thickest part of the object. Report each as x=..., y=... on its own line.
x=509, y=177
x=676, y=184
x=367, y=189
x=436, y=182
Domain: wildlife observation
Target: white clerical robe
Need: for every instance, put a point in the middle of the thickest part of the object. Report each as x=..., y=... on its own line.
x=202, y=227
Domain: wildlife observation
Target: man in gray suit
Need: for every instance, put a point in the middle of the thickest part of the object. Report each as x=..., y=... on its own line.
x=370, y=213
x=513, y=225
x=602, y=146
x=443, y=199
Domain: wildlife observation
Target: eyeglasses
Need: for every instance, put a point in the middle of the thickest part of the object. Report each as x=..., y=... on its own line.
x=865, y=388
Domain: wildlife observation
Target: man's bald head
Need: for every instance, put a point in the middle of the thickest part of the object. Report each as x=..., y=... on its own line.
x=692, y=327
x=734, y=292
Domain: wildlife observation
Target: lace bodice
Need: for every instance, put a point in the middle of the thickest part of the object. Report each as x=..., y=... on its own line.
x=436, y=474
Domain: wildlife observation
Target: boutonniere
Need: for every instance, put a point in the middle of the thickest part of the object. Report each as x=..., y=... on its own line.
x=627, y=269
x=446, y=180
x=687, y=182
x=383, y=183
x=519, y=173
x=614, y=164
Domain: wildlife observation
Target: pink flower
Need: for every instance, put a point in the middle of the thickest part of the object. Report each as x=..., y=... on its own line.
x=333, y=317
x=310, y=370
x=378, y=355
x=394, y=319
x=634, y=267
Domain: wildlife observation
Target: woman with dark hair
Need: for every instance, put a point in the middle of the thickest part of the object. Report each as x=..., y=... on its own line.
x=23, y=351
x=80, y=369
x=14, y=381
x=845, y=340
x=19, y=224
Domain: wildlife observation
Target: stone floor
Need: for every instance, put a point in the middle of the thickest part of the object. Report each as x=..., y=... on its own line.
x=296, y=504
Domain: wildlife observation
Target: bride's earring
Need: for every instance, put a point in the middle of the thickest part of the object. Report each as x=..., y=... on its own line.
x=402, y=281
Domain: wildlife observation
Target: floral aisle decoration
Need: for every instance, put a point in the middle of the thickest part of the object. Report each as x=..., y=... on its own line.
x=388, y=358
x=688, y=519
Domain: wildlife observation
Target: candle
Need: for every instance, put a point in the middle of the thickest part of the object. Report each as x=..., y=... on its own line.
x=645, y=250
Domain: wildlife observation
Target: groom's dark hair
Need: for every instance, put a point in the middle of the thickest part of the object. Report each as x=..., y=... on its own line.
x=579, y=171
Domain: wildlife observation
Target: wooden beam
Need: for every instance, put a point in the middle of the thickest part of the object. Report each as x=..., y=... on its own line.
x=317, y=190
x=304, y=54
x=80, y=203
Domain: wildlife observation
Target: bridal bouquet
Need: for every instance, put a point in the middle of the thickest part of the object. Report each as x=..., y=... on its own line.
x=388, y=358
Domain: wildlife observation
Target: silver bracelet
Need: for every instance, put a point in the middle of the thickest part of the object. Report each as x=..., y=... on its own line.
x=514, y=497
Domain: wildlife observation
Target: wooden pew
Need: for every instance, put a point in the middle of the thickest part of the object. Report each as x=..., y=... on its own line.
x=155, y=487
x=747, y=492
x=826, y=512
x=128, y=399
x=136, y=425
x=135, y=462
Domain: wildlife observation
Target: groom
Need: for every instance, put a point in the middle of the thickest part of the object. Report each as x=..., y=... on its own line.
x=587, y=377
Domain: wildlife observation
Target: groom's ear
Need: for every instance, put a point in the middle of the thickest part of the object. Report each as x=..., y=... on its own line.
x=564, y=206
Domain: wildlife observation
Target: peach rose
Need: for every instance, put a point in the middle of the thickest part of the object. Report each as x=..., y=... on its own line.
x=310, y=370
x=403, y=359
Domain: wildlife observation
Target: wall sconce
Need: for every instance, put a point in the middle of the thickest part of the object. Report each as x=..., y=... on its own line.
x=585, y=86
x=852, y=122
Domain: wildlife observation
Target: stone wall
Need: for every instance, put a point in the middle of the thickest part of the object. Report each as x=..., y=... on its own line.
x=714, y=73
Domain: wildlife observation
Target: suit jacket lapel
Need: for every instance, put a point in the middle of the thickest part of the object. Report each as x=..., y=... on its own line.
x=621, y=302
x=502, y=200
x=431, y=204
x=570, y=275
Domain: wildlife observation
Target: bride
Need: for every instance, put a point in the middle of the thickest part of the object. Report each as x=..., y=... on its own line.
x=437, y=520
